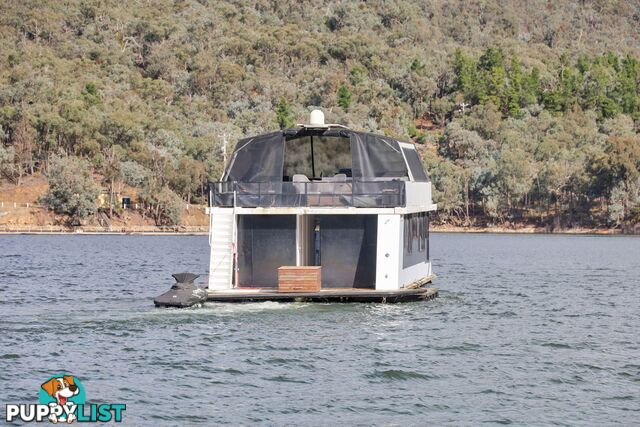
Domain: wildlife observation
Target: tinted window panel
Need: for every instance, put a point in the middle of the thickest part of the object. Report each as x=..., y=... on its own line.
x=415, y=165
x=297, y=158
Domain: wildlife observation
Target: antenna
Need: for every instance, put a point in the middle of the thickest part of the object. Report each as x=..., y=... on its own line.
x=224, y=136
x=225, y=141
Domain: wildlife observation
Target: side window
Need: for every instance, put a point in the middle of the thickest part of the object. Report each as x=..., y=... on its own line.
x=385, y=158
x=415, y=165
x=415, y=239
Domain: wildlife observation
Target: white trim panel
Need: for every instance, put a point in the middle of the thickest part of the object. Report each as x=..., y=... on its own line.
x=418, y=194
x=389, y=246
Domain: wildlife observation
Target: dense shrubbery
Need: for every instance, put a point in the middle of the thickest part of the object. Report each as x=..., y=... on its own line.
x=570, y=167
x=525, y=110
x=72, y=190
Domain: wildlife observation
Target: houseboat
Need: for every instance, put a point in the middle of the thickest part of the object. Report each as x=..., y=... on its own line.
x=320, y=212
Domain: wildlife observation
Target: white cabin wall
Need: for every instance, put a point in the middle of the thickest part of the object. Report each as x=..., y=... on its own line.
x=389, y=252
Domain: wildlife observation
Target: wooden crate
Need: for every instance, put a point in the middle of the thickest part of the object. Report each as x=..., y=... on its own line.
x=299, y=279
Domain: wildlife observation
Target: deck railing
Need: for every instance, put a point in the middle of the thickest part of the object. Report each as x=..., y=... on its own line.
x=367, y=194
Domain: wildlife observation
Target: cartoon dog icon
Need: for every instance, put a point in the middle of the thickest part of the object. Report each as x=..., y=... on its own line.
x=61, y=389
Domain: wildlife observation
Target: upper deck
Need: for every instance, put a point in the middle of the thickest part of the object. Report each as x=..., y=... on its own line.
x=323, y=166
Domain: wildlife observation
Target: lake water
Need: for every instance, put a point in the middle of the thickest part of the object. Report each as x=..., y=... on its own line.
x=528, y=329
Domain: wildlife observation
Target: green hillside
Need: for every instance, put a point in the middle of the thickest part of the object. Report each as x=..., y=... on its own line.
x=525, y=111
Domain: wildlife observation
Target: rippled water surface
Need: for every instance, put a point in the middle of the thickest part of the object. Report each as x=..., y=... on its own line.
x=538, y=330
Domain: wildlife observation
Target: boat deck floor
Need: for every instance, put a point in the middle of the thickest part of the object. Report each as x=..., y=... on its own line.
x=325, y=295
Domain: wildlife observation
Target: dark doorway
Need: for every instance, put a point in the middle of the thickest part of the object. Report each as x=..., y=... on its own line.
x=348, y=250
x=265, y=243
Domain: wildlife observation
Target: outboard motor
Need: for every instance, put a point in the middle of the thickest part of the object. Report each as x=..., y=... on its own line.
x=184, y=293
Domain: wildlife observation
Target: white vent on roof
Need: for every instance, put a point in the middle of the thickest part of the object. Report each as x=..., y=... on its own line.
x=316, y=118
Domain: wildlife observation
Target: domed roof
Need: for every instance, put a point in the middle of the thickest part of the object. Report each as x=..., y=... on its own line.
x=372, y=157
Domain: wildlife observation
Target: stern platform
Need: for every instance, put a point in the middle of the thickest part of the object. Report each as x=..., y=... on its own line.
x=336, y=295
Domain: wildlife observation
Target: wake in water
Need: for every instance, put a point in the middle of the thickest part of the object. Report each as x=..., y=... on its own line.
x=216, y=308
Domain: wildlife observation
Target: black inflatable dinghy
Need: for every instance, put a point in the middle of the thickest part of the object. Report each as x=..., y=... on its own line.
x=184, y=293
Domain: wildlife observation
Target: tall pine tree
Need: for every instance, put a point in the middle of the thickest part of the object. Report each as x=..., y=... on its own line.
x=284, y=114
